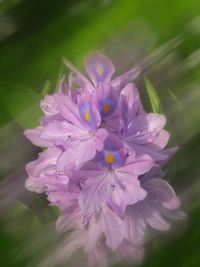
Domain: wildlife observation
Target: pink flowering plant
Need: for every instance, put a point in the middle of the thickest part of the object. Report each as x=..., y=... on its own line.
x=102, y=163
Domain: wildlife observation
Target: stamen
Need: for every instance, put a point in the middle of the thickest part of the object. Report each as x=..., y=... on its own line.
x=106, y=108
x=87, y=115
x=99, y=69
x=109, y=158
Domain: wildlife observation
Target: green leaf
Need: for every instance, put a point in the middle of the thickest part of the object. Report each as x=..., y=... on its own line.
x=60, y=74
x=153, y=96
x=175, y=100
x=56, y=210
x=35, y=224
x=46, y=88
x=21, y=103
x=21, y=220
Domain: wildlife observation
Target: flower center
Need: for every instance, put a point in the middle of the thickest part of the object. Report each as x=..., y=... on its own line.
x=99, y=69
x=87, y=115
x=109, y=158
x=106, y=108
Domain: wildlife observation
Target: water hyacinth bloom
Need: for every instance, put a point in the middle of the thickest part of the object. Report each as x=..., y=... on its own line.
x=142, y=131
x=112, y=178
x=79, y=134
x=102, y=165
x=100, y=70
x=106, y=90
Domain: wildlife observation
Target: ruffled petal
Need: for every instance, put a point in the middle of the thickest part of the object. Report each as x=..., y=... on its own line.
x=174, y=214
x=76, y=155
x=136, y=165
x=68, y=109
x=46, y=161
x=94, y=233
x=99, y=68
x=99, y=137
x=33, y=184
x=82, y=80
x=62, y=133
x=34, y=136
x=129, y=103
x=124, y=190
x=134, y=230
x=70, y=219
x=154, y=154
x=160, y=141
x=157, y=222
x=95, y=193
x=162, y=191
x=112, y=225
x=49, y=105
x=122, y=80
x=146, y=127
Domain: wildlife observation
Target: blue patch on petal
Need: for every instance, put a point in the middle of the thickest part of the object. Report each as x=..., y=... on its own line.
x=86, y=114
x=107, y=106
x=110, y=157
x=124, y=112
x=100, y=70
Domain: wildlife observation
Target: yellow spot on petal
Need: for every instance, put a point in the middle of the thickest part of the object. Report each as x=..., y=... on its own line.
x=87, y=115
x=106, y=108
x=109, y=158
x=99, y=69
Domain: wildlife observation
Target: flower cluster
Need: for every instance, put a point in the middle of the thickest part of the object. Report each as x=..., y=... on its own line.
x=102, y=162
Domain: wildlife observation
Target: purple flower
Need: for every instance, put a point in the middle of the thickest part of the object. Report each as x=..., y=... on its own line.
x=125, y=236
x=140, y=130
x=100, y=70
x=112, y=178
x=102, y=164
x=79, y=134
x=42, y=171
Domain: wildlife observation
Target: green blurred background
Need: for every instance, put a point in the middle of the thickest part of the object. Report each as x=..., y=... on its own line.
x=34, y=36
